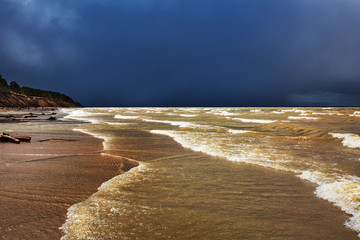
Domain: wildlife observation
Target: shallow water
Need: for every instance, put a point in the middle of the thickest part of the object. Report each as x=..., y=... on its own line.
x=265, y=164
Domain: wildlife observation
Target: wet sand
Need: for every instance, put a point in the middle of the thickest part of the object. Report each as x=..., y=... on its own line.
x=39, y=181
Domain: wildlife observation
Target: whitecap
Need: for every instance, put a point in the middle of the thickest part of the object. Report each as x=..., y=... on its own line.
x=234, y=131
x=349, y=139
x=298, y=118
x=222, y=113
x=178, y=123
x=355, y=114
x=125, y=117
x=342, y=191
x=188, y=115
x=246, y=120
x=255, y=110
x=118, y=124
x=81, y=115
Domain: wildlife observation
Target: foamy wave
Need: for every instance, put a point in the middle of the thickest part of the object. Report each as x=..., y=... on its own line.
x=104, y=138
x=298, y=118
x=323, y=113
x=177, y=123
x=125, y=117
x=295, y=110
x=277, y=112
x=206, y=143
x=316, y=177
x=221, y=113
x=246, y=120
x=287, y=110
x=343, y=192
x=188, y=115
x=80, y=115
x=349, y=139
x=118, y=124
x=234, y=131
x=355, y=114
x=81, y=216
x=255, y=110
x=327, y=113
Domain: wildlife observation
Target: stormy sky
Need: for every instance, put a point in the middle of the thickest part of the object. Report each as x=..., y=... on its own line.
x=185, y=52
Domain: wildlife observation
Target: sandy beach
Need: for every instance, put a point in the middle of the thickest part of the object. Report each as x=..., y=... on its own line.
x=39, y=181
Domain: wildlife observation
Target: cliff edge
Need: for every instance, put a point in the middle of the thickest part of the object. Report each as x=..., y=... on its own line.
x=10, y=98
x=14, y=96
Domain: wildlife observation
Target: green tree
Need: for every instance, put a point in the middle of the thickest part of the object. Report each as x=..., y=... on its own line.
x=3, y=82
x=14, y=86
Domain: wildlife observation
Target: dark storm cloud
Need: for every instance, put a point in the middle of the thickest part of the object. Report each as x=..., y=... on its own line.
x=172, y=52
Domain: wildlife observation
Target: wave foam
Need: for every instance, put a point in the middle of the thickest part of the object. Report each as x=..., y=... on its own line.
x=118, y=124
x=295, y=110
x=246, y=120
x=81, y=115
x=211, y=145
x=355, y=114
x=255, y=110
x=221, y=113
x=298, y=118
x=104, y=138
x=188, y=115
x=82, y=216
x=343, y=192
x=349, y=139
x=125, y=117
x=178, y=123
x=234, y=131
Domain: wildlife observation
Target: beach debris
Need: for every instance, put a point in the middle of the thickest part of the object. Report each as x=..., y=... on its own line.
x=8, y=138
x=30, y=115
x=23, y=138
x=7, y=116
x=4, y=137
x=57, y=139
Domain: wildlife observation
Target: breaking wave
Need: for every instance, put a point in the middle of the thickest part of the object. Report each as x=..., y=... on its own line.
x=245, y=120
x=81, y=115
x=82, y=216
x=342, y=191
x=234, y=131
x=125, y=117
x=177, y=123
x=348, y=139
x=307, y=118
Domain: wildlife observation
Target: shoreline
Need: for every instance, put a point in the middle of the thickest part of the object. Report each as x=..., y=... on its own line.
x=59, y=177
x=39, y=181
